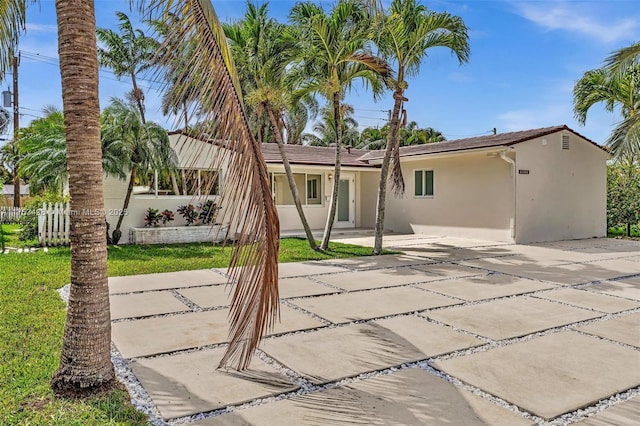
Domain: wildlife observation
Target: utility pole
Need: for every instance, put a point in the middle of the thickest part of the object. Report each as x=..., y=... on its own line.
x=16, y=127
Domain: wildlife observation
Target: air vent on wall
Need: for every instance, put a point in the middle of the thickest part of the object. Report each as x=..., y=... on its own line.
x=565, y=141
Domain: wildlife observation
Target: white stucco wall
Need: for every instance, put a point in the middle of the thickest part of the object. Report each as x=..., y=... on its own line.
x=191, y=153
x=564, y=194
x=472, y=198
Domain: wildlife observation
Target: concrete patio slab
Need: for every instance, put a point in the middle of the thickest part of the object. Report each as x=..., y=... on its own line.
x=192, y=330
x=550, y=375
x=450, y=270
x=446, y=253
x=346, y=307
x=164, y=281
x=407, y=397
x=300, y=286
x=485, y=286
x=569, y=273
x=389, y=277
x=629, y=288
x=625, y=413
x=186, y=384
x=430, y=338
x=144, y=304
x=624, y=329
x=208, y=296
x=588, y=299
x=513, y=317
x=288, y=270
x=377, y=262
x=333, y=354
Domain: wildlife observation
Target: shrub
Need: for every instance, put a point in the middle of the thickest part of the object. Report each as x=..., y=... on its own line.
x=167, y=216
x=189, y=213
x=28, y=220
x=623, y=196
x=152, y=218
x=208, y=212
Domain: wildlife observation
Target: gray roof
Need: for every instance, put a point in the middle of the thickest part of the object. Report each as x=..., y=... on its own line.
x=314, y=155
x=8, y=189
x=501, y=139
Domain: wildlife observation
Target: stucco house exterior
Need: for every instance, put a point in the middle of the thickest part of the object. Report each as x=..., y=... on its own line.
x=535, y=185
x=529, y=186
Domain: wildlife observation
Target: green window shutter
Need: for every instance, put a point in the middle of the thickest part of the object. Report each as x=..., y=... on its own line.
x=418, y=183
x=429, y=190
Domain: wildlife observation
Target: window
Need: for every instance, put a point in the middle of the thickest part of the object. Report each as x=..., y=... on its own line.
x=423, y=180
x=188, y=182
x=314, y=186
x=309, y=188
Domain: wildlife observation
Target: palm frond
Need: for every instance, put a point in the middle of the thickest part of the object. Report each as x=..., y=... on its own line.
x=246, y=196
x=12, y=24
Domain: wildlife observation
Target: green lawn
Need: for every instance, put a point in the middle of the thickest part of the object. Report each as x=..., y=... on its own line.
x=32, y=322
x=622, y=231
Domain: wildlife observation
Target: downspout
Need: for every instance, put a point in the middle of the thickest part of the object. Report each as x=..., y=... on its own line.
x=512, y=225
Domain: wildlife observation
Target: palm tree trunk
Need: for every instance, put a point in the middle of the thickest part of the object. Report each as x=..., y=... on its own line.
x=333, y=204
x=85, y=363
x=138, y=96
x=290, y=179
x=392, y=143
x=174, y=183
x=16, y=188
x=117, y=234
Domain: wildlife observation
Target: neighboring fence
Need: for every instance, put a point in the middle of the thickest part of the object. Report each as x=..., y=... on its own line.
x=9, y=214
x=53, y=224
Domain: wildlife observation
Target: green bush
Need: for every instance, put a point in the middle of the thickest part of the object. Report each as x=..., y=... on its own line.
x=623, y=196
x=28, y=220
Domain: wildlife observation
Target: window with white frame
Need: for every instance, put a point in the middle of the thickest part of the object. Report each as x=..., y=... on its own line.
x=309, y=188
x=423, y=183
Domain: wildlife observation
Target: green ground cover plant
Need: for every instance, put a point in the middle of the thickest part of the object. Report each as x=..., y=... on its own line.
x=32, y=317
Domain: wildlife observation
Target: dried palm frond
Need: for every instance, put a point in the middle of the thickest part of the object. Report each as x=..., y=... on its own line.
x=214, y=91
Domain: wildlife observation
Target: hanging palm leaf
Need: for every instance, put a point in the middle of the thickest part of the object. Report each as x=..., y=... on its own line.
x=215, y=92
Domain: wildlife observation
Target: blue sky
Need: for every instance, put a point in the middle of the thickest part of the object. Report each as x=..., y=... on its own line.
x=525, y=58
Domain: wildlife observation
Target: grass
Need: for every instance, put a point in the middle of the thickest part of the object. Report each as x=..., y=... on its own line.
x=621, y=231
x=32, y=320
x=10, y=233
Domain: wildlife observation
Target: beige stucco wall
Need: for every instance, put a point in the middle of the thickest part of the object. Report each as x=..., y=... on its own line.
x=368, y=198
x=472, y=198
x=316, y=215
x=564, y=194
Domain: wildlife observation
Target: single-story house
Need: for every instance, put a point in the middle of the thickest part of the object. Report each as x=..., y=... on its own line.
x=535, y=185
x=529, y=186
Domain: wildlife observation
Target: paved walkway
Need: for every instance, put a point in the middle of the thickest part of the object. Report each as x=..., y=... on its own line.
x=452, y=332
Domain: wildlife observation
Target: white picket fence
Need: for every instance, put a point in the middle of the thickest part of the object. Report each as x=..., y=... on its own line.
x=53, y=224
x=9, y=214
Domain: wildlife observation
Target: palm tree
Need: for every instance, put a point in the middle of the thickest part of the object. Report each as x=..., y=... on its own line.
x=264, y=48
x=44, y=153
x=85, y=362
x=246, y=195
x=411, y=134
x=147, y=143
x=333, y=56
x=407, y=32
x=325, y=129
x=615, y=90
x=127, y=53
x=13, y=15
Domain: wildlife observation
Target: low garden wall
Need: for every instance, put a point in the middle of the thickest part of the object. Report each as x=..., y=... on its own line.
x=178, y=234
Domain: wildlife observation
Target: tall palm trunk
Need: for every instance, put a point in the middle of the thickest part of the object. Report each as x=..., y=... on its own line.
x=336, y=174
x=117, y=233
x=85, y=362
x=292, y=183
x=393, y=143
x=16, y=188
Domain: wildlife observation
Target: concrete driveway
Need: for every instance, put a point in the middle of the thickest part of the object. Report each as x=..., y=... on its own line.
x=451, y=332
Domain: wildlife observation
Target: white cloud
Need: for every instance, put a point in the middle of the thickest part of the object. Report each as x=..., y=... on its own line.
x=533, y=118
x=569, y=17
x=40, y=28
